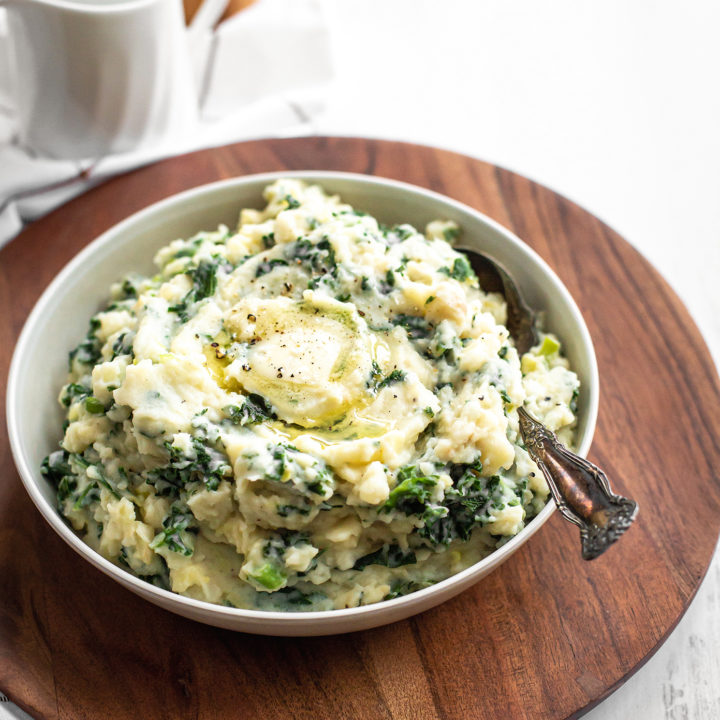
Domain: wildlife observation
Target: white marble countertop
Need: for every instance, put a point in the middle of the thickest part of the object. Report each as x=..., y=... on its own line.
x=613, y=104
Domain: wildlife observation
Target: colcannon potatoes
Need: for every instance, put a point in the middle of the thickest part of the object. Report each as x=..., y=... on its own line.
x=309, y=411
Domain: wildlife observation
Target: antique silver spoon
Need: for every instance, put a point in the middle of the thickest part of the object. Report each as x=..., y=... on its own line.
x=580, y=489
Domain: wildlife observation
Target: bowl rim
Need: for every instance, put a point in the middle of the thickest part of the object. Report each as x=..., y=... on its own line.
x=29, y=475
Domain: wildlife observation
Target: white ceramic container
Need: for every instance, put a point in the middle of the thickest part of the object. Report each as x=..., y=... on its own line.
x=59, y=320
x=94, y=77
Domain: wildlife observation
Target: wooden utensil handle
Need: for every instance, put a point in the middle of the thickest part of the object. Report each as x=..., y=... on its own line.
x=234, y=7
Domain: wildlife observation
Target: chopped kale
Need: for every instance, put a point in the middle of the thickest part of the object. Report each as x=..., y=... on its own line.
x=255, y=409
x=285, y=510
x=413, y=492
x=292, y=203
x=128, y=289
x=375, y=376
x=280, y=462
x=396, y=233
x=394, y=377
x=461, y=270
x=466, y=504
x=317, y=259
x=209, y=466
x=179, y=527
x=272, y=575
x=56, y=469
x=214, y=464
x=88, y=352
x=161, y=579
x=442, y=344
x=123, y=345
x=451, y=234
x=204, y=278
x=90, y=494
x=314, y=481
x=293, y=596
x=391, y=556
x=268, y=266
x=417, y=327
x=106, y=482
x=398, y=588
x=191, y=247
x=377, y=382
x=181, y=310
x=574, y=400
x=66, y=487
x=74, y=392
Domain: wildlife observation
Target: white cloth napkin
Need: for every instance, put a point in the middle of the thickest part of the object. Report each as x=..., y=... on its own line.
x=10, y=711
x=264, y=72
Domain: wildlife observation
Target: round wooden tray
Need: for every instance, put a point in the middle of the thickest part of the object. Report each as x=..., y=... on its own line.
x=544, y=636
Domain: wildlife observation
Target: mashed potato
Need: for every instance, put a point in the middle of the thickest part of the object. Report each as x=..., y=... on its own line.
x=311, y=411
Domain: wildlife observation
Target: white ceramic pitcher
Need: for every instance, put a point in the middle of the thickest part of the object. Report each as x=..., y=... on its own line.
x=94, y=77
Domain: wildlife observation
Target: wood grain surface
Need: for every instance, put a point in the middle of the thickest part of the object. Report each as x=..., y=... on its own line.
x=544, y=636
x=233, y=7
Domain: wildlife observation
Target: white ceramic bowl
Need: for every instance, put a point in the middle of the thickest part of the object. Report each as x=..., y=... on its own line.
x=60, y=319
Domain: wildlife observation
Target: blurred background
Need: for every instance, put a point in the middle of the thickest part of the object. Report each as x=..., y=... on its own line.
x=614, y=105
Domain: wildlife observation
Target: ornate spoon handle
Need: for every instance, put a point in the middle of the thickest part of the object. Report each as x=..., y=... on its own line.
x=580, y=489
